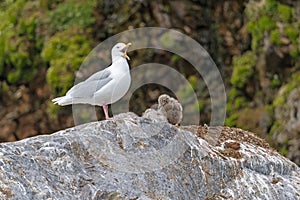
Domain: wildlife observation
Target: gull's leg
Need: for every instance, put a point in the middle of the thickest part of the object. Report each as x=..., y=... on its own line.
x=105, y=109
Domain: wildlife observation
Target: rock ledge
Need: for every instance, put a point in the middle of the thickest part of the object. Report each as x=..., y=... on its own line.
x=139, y=158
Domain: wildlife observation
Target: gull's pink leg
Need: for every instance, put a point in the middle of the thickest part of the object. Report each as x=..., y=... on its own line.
x=105, y=109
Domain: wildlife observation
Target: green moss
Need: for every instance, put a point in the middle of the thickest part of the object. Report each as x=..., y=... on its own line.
x=262, y=22
x=68, y=14
x=231, y=120
x=52, y=110
x=294, y=53
x=270, y=7
x=65, y=52
x=292, y=33
x=235, y=102
x=13, y=12
x=270, y=109
x=284, y=12
x=175, y=58
x=233, y=93
x=4, y=87
x=9, y=18
x=257, y=35
x=14, y=76
x=286, y=89
x=243, y=69
x=275, y=37
x=48, y=4
x=193, y=80
x=266, y=23
x=275, y=82
x=283, y=150
x=201, y=105
x=276, y=127
x=18, y=60
x=280, y=100
x=240, y=102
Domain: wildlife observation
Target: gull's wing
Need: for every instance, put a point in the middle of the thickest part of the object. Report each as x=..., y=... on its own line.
x=88, y=87
x=99, y=75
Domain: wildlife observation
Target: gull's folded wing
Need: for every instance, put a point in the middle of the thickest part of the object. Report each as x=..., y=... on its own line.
x=88, y=87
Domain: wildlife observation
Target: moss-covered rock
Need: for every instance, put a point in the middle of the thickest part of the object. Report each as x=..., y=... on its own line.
x=243, y=69
x=68, y=14
x=285, y=90
x=285, y=129
x=272, y=19
x=65, y=52
x=18, y=61
x=274, y=31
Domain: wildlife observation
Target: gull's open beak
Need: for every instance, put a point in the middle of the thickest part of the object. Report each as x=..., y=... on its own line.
x=124, y=50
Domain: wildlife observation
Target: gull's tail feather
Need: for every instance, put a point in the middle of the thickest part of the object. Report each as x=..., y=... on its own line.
x=62, y=101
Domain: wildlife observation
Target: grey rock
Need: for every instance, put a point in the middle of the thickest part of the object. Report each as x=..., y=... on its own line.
x=138, y=158
x=155, y=115
x=288, y=115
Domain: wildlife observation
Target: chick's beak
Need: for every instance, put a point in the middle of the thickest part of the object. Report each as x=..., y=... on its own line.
x=124, y=50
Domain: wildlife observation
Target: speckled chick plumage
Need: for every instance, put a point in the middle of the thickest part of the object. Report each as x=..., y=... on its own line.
x=171, y=108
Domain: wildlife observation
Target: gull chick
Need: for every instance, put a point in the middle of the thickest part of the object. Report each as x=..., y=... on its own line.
x=171, y=108
x=104, y=87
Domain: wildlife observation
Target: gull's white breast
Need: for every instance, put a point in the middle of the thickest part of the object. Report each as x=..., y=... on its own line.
x=117, y=87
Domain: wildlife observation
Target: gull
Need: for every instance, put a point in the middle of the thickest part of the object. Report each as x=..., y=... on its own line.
x=104, y=87
x=171, y=108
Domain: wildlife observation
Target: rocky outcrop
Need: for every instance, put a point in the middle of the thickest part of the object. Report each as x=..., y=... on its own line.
x=140, y=158
x=288, y=116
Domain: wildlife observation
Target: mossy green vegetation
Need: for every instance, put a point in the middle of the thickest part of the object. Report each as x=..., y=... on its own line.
x=71, y=43
x=285, y=13
x=292, y=33
x=65, y=52
x=17, y=42
x=44, y=34
x=268, y=20
x=243, y=69
x=68, y=14
x=275, y=37
x=26, y=26
x=231, y=120
x=269, y=23
x=286, y=89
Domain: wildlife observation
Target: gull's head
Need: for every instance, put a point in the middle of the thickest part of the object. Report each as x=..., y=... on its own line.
x=120, y=50
x=163, y=100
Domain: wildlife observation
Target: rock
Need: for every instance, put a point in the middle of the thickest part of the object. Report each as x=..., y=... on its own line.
x=155, y=115
x=138, y=158
x=289, y=115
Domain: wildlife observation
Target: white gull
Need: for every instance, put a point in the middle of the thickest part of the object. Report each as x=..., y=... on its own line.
x=104, y=87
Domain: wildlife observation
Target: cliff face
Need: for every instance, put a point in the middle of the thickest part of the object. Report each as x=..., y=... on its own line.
x=139, y=158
